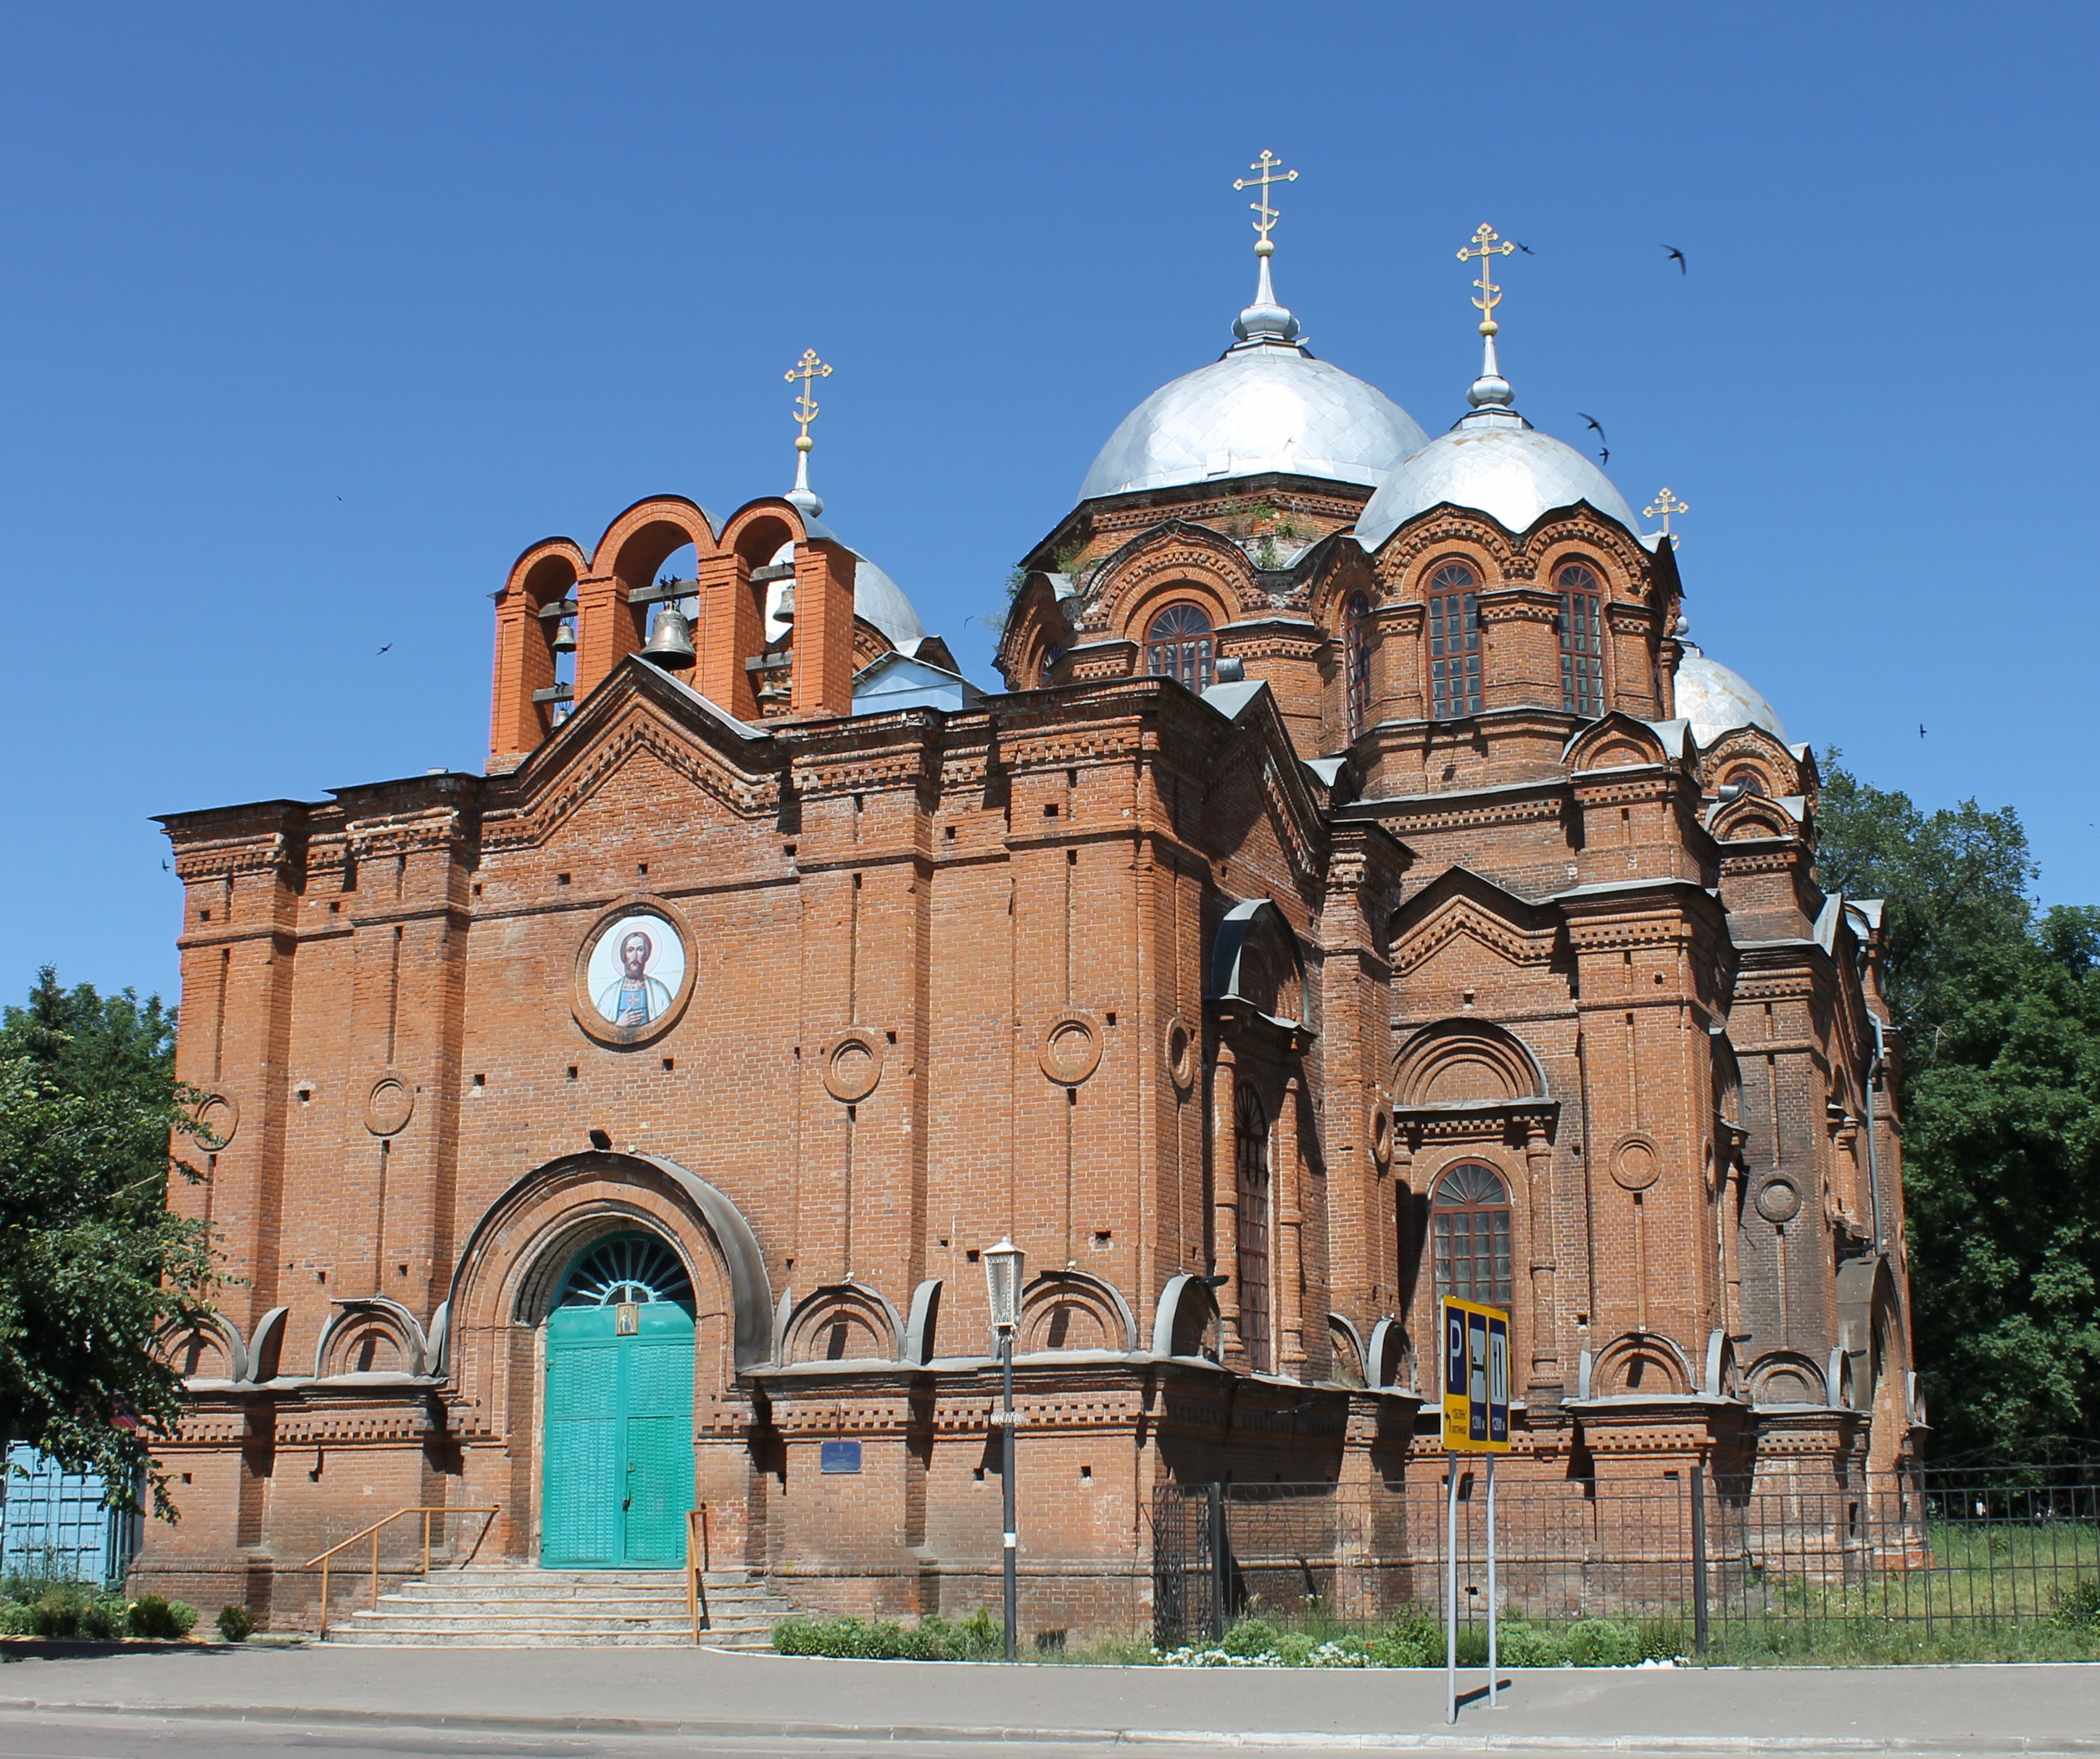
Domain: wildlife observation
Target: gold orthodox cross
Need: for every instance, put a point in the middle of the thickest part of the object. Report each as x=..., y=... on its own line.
x=1487, y=243
x=1661, y=508
x=806, y=369
x=1265, y=216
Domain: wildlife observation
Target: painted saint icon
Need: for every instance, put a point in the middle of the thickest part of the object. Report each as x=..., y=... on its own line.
x=636, y=969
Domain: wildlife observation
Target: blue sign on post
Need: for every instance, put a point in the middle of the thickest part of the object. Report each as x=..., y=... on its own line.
x=840, y=1457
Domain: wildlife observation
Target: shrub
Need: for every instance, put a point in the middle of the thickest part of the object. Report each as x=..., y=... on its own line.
x=1402, y=1646
x=1251, y=1637
x=1599, y=1643
x=154, y=1615
x=2079, y=1606
x=932, y=1639
x=15, y=1619
x=1527, y=1646
x=1663, y=1640
x=236, y=1623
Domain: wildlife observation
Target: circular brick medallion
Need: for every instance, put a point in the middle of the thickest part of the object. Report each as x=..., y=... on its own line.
x=1636, y=1165
x=389, y=1106
x=1177, y=1045
x=634, y=973
x=853, y=1064
x=1071, y=1049
x=1382, y=1133
x=217, y=1114
x=1778, y=1201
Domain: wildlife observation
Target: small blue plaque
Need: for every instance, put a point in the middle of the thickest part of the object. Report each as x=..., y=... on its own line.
x=841, y=1456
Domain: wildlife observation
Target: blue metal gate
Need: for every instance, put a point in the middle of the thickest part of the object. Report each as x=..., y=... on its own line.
x=57, y=1523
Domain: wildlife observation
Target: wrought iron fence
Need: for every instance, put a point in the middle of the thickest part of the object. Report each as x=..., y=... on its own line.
x=1988, y=1552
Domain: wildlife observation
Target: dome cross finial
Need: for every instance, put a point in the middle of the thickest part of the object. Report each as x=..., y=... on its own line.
x=1490, y=388
x=1265, y=216
x=1663, y=504
x=1265, y=321
x=808, y=369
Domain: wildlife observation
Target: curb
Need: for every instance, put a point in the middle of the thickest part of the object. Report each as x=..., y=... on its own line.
x=729, y=1729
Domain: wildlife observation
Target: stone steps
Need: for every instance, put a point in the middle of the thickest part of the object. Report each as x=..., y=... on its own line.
x=515, y=1609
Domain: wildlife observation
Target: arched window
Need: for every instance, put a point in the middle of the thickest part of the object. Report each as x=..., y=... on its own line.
x=1471, y=1217
x=1581, y=621
x=1356, y=661
x=1251, y=1144
x=1454, y=642
x=639, y=1268
x=1178, y=645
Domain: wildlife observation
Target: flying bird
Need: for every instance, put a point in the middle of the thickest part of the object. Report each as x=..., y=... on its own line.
x=383, y=650
x=1921, y=729
x=164, y=867
x=1526, y=247
x=1677, y=257
x=1603, y=445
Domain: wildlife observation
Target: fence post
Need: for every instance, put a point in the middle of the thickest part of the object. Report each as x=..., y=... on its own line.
x=1217, y=1563
x=1698, y=1560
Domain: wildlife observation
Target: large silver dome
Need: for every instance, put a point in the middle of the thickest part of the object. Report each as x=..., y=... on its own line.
x=1716, y=700
x=1264, y=407
x=1495, y=462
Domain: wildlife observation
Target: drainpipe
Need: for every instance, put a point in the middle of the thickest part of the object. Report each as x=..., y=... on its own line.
x=1874, y=1070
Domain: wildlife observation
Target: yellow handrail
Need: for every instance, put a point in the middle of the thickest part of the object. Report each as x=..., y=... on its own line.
x=697, y=1565
x=372, y=1532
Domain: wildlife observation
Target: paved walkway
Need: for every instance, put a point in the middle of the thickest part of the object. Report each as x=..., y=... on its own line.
x=709, y=1693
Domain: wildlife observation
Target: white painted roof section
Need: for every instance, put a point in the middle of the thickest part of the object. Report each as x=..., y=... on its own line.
x=1716, y=698
x=1263, y=408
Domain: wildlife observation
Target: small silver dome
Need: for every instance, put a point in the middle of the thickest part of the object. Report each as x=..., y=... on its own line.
x=1716, y=700
x=1496, y=463
x=877, y=599
x=1264, y=407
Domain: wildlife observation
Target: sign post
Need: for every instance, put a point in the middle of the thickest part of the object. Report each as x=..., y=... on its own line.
x=1476, y=1421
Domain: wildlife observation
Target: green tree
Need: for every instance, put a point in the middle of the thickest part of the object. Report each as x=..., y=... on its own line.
x=93, y=1267
x=2000, y=1100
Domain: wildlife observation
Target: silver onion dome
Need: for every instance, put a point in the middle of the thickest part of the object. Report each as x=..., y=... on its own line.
x=1716, y=700
x=1495, y=462
x=1265, y=405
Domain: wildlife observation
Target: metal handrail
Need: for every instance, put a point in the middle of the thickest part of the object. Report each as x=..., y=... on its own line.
x=373, y=1532
x=697, y=1565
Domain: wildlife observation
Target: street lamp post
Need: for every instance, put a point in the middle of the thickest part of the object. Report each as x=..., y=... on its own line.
x=1003, y=1268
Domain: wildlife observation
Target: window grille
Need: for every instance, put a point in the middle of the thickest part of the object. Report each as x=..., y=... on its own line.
x=1581, y=622
x=1250, y=1132
x=1471, y=1217
x=1178, y=645
x=1356, y=660
x=1454, y=642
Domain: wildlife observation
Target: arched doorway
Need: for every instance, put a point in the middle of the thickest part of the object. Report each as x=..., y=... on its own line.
x=617, y=1453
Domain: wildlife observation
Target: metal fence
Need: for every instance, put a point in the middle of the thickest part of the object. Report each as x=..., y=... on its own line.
x=1984, y=1553
x=59, y=1523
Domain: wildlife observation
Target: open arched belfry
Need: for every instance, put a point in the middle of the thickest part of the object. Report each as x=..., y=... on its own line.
x=1360, y=890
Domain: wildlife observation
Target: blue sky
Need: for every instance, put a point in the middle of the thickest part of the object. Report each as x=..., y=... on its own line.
x=312, y=317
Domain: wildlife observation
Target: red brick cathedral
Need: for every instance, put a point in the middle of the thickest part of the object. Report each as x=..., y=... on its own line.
x=1362, y=891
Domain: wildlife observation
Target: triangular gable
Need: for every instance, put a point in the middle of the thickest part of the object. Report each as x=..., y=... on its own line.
x=1460, y=902
x=639, y=708
x=1250, y=706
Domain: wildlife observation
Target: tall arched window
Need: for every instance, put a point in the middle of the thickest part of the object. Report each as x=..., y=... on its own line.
x=1470, y=1216
x=1178, y=645
x=1251, y=1156
x=1454, y=642
x=1356, y=660
x=1581, y=622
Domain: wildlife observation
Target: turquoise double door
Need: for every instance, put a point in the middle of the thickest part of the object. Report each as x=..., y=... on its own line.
x=617, y=1476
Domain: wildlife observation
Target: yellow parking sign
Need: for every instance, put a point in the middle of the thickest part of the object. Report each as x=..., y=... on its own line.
x=1476, y=1398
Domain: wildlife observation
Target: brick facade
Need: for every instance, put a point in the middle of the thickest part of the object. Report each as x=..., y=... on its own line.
x=1166, y=986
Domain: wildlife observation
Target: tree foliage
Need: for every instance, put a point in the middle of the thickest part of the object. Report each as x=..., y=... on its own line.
x=2001, y=1098
x=94, y=1269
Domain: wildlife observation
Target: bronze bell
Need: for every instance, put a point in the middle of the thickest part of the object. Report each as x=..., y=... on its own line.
x=670, y=640
x=565, y=637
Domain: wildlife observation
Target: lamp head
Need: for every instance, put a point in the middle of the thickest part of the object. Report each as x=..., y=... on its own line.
x=1004, y=1264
